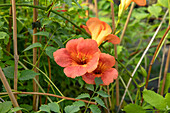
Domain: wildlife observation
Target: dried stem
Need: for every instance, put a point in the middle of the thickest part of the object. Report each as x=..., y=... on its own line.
x=48, y=94
x=160, y=73
x=154, y=56
x=16, y=57
x=144, y=53
x=127, y=21
x=35, y=87
x=96, y=8
x=8, y=89
x=165, y=72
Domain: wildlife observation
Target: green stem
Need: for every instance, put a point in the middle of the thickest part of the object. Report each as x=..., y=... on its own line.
x=127, y=72
x=45, y=9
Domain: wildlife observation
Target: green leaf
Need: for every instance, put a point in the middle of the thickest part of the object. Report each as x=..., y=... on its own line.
x=102, y=93
x=32, y=46
x=49, y=51
x=27, y=74
x=71, y=109
x=3, y=35
x=143, y=71
x=15, y=109
x=54, y=107
x=60, y=44
x=133, y=108
x=89, y=87
x=98, y=80
x=167, y=83
x=45, y=108
x=84, y=95
x=42, y=33
x=167, y=99
x=99, y=101
x=1, y=53
x=5, y=106
x=155, y=10
x=164, y=3
x=9, y=72
x=94, y=109
x=154, y=99
x=26, y=106
x=79, y=103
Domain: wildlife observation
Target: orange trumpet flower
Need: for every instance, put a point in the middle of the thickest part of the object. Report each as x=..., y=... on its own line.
x=126, y=3
x=100, y=31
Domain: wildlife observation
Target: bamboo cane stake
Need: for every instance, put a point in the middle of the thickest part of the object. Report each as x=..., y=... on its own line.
x=115, y=50
x=96, y=8
x=127, y=21
x=16, y=57
x=8, y=89
x=165, y=72
x=35, y=87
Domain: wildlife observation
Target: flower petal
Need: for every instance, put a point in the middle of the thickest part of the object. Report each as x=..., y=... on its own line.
x=109, y=75
x=89, y=78
x=93, y=62
x=107, y=60
x=95, y=26
x=86, y=28
x=71, y=45
x=140, y=2
x=104, y=32
x=62, y=57
x=87, y=47
x=113, y=39
x=75, y=71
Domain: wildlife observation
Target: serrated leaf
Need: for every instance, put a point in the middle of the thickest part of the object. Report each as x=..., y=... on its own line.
x=99, y=101
x=154, y=99
x=94, y=109
x=49, y=51
x=71, y=109
x=102, y=93
x=79, y=103
x=84, y=95
x=143, y=71
x=9, y=72
x=45, y=108
x=32, y=46
x=5, y=106
x=133, y=108
x=26, y=106
x=155, y=10
x=167, y=98
x=54, y=107
x=42, y=33
x=90, y=87
x=27, y=74
x=60, y=44
x=164, y=3
x=98, y=80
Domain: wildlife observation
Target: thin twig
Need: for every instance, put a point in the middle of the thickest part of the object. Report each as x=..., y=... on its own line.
x=160, y=73
x=142, y=59
x=35, y=87
x=8, y=89
x=154, y=56
x=16, y=57
x=127, y=21
x=48, y=94
x=165, y=72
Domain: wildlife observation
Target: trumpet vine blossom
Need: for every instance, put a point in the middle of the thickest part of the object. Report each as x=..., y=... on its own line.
x=79, y=57
x=103, y=70
x=126, y=3
x=100, y=31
